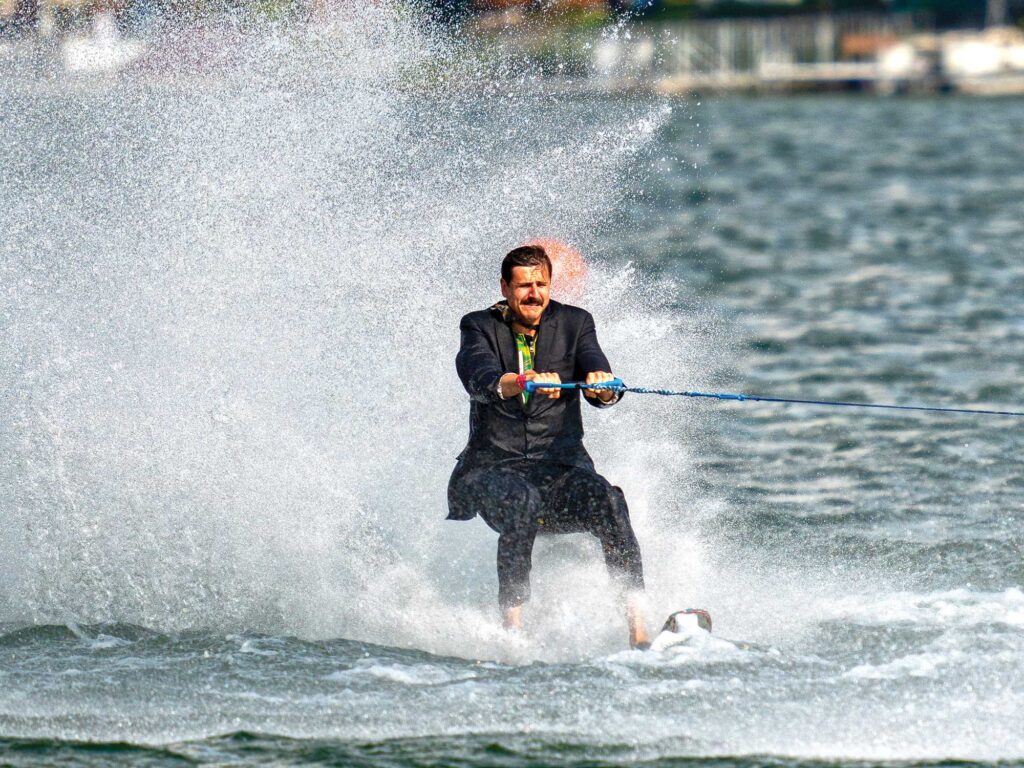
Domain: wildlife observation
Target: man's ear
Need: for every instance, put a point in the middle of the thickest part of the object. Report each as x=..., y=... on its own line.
x=504, y=288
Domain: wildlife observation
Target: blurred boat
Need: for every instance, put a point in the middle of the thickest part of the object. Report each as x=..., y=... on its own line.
x=987, y=63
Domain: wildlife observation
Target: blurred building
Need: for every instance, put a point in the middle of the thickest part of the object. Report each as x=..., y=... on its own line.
x=942, y=14
x=874, y=52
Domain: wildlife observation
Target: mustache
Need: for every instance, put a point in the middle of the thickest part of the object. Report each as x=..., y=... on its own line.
x=533, y=303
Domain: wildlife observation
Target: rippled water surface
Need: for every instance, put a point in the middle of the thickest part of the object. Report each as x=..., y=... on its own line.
x=865, y=251
x=220, y=547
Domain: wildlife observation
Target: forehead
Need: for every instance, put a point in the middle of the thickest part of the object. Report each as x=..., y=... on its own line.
x=529, y=275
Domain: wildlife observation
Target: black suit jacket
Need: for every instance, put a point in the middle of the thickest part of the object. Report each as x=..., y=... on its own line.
x=543, y=429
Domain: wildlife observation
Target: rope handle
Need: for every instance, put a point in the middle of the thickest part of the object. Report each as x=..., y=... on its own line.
x=533, y=386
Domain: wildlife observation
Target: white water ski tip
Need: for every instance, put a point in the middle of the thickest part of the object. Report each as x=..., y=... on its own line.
x=683, y=627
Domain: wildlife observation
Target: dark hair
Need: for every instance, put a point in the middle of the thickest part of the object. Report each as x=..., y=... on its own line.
x=524, y=256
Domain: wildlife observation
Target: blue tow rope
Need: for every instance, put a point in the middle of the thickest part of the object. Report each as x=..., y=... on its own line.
x=619, y=386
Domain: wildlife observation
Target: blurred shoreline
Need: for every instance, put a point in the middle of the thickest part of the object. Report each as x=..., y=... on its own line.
x=578, y=45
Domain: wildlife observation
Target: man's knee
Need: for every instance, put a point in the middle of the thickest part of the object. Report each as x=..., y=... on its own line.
x=618, y=510
x=605, y=502
x=505, y=500
x=610, y=521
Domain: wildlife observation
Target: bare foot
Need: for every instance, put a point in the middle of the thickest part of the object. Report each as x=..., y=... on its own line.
x=512, y=618
x=638, y=637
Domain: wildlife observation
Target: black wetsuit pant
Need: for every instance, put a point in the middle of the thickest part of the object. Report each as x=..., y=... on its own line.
x=521, y=499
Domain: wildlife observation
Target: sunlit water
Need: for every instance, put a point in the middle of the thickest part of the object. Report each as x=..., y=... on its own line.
x=229, y=303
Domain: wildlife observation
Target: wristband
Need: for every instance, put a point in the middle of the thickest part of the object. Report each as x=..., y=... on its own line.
x=521, y=381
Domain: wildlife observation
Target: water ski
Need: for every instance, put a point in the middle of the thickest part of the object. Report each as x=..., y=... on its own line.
x=683, y=627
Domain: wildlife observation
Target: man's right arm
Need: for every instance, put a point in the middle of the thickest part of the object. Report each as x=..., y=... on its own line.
x=477, y=363
x=480, y=369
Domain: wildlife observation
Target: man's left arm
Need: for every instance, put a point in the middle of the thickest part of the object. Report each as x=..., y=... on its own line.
x=592, y=366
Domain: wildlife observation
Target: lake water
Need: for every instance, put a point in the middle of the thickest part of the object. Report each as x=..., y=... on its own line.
x=230, y=305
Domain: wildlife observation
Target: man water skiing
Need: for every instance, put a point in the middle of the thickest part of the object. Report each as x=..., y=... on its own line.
x=525, y=470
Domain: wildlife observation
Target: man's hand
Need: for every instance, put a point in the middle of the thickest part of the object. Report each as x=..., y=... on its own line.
x=510, y=386
x=599, y=377
x=546, y=378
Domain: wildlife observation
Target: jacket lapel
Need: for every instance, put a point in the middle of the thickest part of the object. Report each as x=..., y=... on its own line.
x=506, y=345
x=546, y=336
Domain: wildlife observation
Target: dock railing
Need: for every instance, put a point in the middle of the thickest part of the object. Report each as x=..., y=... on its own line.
x=742, y=53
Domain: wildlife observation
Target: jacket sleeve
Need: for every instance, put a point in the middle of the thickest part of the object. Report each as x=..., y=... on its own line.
x=590, y=357
x=477, y=363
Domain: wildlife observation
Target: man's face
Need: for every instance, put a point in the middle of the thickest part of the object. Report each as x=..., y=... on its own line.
x=528, y=293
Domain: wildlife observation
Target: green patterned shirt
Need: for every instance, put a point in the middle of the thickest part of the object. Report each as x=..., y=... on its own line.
x=527, y=346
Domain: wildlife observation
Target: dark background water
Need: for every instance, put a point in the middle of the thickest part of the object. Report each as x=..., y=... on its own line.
x=825, y=247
